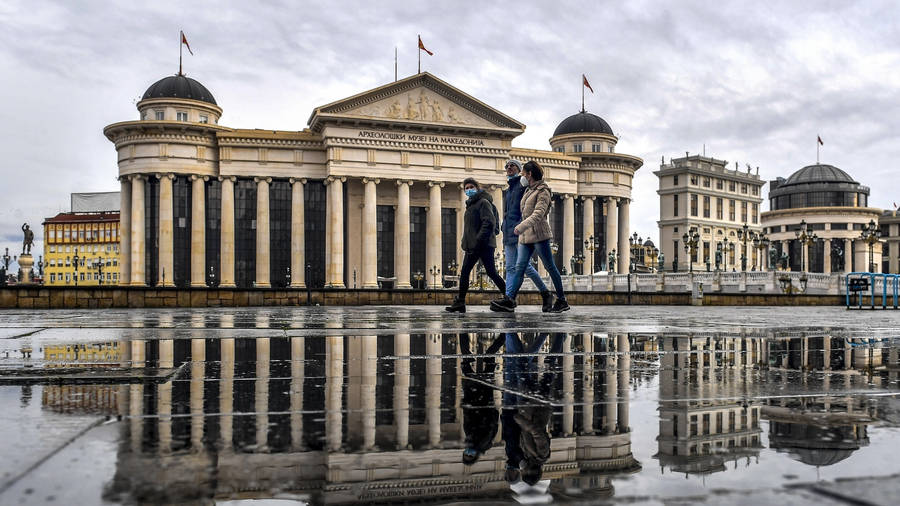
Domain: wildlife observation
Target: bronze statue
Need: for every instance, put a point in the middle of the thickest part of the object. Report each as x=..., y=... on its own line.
x=28, y=241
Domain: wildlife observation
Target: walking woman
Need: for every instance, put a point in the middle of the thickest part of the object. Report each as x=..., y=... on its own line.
x=480, y=226
x=534, y=235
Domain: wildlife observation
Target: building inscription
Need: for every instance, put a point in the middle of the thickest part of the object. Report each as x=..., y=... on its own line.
x=433, y=139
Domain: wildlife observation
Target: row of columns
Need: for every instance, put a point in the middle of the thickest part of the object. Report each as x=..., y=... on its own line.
x=133, y=214
x=826, y=258
x=133, y=238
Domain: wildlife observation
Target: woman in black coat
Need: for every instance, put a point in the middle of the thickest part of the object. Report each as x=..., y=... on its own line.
x=480, y=227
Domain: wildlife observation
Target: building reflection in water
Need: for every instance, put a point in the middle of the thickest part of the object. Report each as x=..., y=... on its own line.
x=341, y=419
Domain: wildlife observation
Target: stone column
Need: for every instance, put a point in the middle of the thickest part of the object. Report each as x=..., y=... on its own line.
x=334, y=387
x=568, y=381
x=262, y=232
x=433, y=389
x=334, y=234
x=401, y=390
x=164, y=411
x=137, y=231
x=624, y=349
x=624, y=227
x=298, y=363
x=226, y=260
x=136, y=416
x=370, y=235
x=401, y=235
x=848, y=255
x=609, y=425
x=587, y=413
x=369, y=358
x=612, y=230
x=138, y=353
x=226, y=393
x=826, y=258
x=166, y=238
x=125, y=231
x=198, y=373
x=460, y=227
x=433, y=235
x=261, y=391
x=587, y=233
x=497, y=196
x=298, y=234
x=568, y=238
x=198, y=230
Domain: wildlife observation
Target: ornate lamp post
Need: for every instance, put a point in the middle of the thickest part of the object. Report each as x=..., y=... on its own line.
x=554, y=247
x=287, y=277
x=452, y=267
x=418, y=276
x=6, y=260
x=806, y=239
x=577, y=260
x=745, y=234
x=76, y=259
x=591, y=244
x=212, y=276
x=871, y=234
x=635, y=242
x=434, y=271
x=691, y=239
x=654, y=254
x=98, y=264
x=40, y=265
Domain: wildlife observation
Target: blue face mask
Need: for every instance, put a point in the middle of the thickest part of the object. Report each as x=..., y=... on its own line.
x=471, y=192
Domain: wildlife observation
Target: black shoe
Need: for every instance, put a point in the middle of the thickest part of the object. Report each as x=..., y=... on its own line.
x=502, y=299
x=505, y=305
x=559, y=306
x=512, y=474
x=458, y=306
x=547, y=299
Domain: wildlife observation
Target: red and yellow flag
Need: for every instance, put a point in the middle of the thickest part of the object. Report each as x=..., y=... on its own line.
x=586, y=83
x=423, y=48
x=185, y=42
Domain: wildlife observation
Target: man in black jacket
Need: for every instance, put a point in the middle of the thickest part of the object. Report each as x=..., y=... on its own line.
x=480, y=227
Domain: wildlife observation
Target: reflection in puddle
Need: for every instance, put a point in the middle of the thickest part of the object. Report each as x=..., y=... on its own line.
x=525, y=416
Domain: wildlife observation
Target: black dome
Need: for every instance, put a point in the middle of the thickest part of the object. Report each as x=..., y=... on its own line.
x=583, y=122
x=179, y=86
x=819, y=173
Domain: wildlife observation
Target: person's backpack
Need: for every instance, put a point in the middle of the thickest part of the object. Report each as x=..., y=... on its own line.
x=496, y=219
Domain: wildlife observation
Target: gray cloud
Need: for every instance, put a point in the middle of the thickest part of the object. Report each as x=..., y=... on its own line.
x=754, y=82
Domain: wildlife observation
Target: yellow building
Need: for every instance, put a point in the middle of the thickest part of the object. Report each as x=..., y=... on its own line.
x=92, y=238
x=82, y=354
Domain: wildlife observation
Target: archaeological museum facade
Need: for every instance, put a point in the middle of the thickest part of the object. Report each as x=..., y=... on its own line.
x=367, y=196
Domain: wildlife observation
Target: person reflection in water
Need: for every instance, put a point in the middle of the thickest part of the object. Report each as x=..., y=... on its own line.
x=480, y=417
x=526, y=405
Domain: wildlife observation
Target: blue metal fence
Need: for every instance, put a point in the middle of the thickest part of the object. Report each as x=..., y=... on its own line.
x=853, y=285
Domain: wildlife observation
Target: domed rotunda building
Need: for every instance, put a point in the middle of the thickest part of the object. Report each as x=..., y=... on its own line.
x=831, y=205
x=367, y=195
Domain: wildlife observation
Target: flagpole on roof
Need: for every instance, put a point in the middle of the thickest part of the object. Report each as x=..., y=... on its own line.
x=582, y=93
x=395, y=63
x=420, y=53
x=180, y=36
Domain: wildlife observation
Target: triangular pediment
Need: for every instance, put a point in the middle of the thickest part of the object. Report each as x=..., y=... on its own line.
x=420, y=99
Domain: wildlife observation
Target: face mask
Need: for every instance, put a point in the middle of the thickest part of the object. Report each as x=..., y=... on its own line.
x=524, y=181
x=471, y=192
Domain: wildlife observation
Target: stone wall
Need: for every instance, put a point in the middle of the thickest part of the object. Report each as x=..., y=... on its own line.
x=133, y=297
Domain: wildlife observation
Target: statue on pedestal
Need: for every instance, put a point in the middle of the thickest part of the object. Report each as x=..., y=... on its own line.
x=28, y=241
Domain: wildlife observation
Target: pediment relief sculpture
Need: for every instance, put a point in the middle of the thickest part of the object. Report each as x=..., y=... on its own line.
x=420, y=105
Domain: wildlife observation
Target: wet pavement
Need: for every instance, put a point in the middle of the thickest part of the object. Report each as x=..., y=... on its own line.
x=645, y=405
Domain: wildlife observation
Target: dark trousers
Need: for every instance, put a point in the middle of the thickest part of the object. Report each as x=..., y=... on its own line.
x=486, y=255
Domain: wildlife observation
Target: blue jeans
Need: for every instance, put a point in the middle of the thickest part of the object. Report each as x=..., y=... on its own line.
x=511, y=251
x=523, y=258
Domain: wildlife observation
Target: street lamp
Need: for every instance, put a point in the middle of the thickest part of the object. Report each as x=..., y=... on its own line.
x=41, y=266
x=576, y=261
x=434, y=271
x=98, y=264
x=76, y=259
x=212, y=276
x=654, y=254
x=287, y=277
x=635, y=242
x=418, y=276
x=6, y=260
x=745, y=234
x=691, y=239
x=871, y=234
x=806, y=239
x=761, y=243
x=592, y=244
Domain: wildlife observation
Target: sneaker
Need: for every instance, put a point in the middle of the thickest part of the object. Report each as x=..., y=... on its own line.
x=504, y=305
x=547, y=299
x=458, y=306
x=559, y=306
x=470, y=456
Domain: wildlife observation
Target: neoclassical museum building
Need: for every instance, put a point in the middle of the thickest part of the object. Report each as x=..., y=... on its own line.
x=816, y=218
x=367, y=195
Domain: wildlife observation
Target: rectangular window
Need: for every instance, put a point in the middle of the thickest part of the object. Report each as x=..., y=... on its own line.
x=674, y=180
x=706, y=182
x=52, y=234
x=597, y=147
x=731, y=209
x=66, y=234
x=204, y=118
x=693, y=205
x=160, y=115
x=731, y=186
x=744, y=212
x=576, y=148
x=674, y=205
x=744, y=188
x=755, y=190
x=706, y=206
x=755, y=213
x=181, y=116
x=720, y=184
x=720, y=204
x=560, y=149
x=68, y=277
x=706, y=251
x=52, y=278
x=693, y=180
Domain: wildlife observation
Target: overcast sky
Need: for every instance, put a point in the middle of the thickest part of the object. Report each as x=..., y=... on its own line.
x=754, y=82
